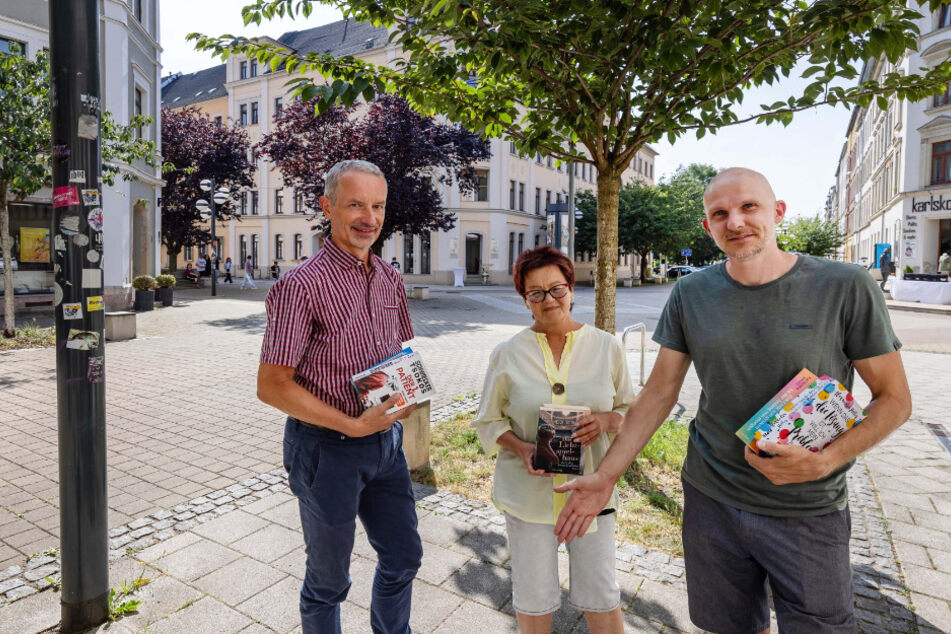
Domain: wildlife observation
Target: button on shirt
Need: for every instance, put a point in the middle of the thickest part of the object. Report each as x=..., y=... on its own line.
x=331, y=318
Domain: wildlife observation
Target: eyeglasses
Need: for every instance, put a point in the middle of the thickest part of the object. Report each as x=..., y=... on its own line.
x=557, y=292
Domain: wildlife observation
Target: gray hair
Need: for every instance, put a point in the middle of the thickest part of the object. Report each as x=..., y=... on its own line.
x=332, y=178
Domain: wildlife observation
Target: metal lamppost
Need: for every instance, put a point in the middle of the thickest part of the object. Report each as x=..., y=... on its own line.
x=220, y=197
x=80, y=343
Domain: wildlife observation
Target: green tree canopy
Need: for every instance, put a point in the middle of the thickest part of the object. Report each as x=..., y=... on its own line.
x=26, y=146
x=607, y=77
x=814, y=236
x=683, y=198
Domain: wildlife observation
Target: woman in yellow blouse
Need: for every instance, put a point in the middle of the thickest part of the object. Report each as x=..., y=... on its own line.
x=557, y=360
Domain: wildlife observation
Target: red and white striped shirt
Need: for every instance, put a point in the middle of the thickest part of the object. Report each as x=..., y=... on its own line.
x=330, y=318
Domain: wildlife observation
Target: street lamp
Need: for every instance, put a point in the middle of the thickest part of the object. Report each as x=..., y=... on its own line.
x=207, y=211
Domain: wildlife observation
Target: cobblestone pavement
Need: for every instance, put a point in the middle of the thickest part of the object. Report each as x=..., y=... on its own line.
x=184, y=424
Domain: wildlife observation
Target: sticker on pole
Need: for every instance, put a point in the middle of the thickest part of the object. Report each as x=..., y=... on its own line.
x=65, y=196
x=88, y=127
x=72, y=311
x=69, y=225
x=94, y=303
x=97, y=370
x=92, y=255
x=57, y=294
x=94, y=217
x=90, y=197
x=82, y=339
x=80, y=239
x=92, y=278
x=59, y=244
x=77, y=176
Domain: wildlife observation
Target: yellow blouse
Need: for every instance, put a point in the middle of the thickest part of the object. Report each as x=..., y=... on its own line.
x=519, y=380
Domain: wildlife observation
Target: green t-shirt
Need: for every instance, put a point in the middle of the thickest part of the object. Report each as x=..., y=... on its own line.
x=746, y=343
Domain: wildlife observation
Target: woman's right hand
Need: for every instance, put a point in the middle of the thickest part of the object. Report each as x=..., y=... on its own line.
x=524, y=450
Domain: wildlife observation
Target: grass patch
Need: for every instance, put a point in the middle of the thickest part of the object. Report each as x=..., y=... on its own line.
x=651, y=495
x=121, y=602
x=30, y=336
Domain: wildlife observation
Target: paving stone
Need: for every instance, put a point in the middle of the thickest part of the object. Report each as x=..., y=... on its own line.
x=10, y=584
x=287, y=513
x=472, y=617
x=269, y=543
x=19, y=593
x=10, y=572
x=162, y=515
x=659, y=602
x=431, y=606
x=167, y=547
x=487, y=545
x=161, y=597
x=235, y=526
x=35, y=613
x=203, y=616
x=137, y=524
x=442, y=531
x=277, y=606
x=483, y=582
x=239, y=581
x=39, y=573
x=439, y=563
x=141, y=532
x=294, y=563
x=931, y=612
x=39, y=560
x=196, y=560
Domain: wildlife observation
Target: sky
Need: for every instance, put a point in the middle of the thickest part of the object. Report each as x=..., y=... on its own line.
x=799, y=160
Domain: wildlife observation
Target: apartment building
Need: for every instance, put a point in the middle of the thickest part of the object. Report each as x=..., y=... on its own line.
x=506, y=216
x=893, y=183
x=130, y=74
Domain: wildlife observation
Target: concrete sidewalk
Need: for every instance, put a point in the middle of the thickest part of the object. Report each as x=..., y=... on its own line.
x=222, y=546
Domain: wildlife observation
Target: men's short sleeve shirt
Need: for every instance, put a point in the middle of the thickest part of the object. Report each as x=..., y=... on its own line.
x=746, y=343
x=331, y=317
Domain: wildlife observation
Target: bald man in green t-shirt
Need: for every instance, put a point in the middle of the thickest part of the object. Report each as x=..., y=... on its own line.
x=753, y=523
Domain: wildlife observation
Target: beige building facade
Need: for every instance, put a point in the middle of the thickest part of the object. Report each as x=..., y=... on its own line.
x=505, y=217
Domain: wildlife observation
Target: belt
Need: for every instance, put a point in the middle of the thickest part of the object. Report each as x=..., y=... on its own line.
x=329, y=430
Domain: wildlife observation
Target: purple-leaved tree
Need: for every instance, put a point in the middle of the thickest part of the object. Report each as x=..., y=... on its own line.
x=414, y=153
x=194, y=148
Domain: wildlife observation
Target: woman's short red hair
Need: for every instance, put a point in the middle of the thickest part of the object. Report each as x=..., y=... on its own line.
x=539, y=258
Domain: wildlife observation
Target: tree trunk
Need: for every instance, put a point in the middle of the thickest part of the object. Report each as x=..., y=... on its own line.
x=605, y=277
x=9, y=318
x=172, y=258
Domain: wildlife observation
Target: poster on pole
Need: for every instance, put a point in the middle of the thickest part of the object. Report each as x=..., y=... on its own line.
x=34, y=244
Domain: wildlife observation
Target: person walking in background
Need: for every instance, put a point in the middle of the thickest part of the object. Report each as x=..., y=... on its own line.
x=944, y=263
x=201, y=265
x=275, y=270
x=557, y=360
x=394, y=263
x=248, y=274
x=229, y=266
x=885, y=264
x=776, y=313
x=341, y=312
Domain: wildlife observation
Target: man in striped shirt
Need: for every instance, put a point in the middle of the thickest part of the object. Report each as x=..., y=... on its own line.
x=338, y=313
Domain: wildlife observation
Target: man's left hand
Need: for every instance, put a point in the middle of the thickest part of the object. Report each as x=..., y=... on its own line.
x=790, y=465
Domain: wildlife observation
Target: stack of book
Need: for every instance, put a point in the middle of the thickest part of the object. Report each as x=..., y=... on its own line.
x=810, y=411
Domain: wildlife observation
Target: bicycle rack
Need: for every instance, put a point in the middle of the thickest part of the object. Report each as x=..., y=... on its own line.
x=643, y=328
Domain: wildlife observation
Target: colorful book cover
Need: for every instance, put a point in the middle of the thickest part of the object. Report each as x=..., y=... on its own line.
x=403, y=374
x=810, y=411
x=555, y=451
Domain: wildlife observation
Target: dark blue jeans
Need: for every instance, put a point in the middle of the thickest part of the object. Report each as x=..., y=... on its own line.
x=337, y=478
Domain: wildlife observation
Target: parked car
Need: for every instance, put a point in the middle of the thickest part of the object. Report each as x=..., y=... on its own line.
x=679, y=271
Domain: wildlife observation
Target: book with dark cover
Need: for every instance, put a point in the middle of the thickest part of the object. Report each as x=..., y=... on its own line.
x=555, y=451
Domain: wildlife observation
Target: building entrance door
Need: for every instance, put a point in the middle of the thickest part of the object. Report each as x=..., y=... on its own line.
x=473, y=253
